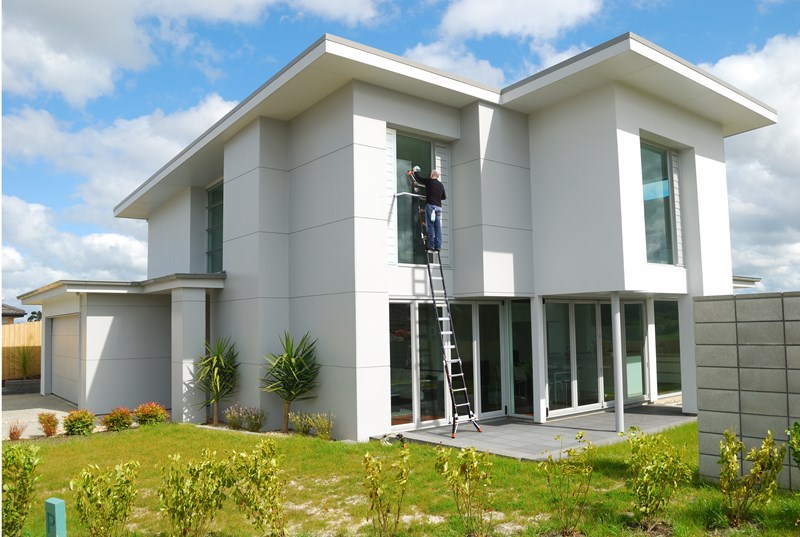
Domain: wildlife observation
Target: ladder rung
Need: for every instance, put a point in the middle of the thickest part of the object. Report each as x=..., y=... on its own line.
x=449, y=346
x=448, y=332
x=444, y=318
x=459, y=389
x=461, y=404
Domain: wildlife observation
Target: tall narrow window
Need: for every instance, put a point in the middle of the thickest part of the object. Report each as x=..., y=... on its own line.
x=214, y=230
x=410, y=152
x=658, y=206
x=668, y=347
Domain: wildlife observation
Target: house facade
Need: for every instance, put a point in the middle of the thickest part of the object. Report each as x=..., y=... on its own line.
x=586, y=208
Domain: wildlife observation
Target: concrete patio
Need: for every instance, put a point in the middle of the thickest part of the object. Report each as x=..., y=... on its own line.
x=25, y=409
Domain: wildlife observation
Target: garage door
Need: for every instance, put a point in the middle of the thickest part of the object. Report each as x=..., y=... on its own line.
x=64, y=345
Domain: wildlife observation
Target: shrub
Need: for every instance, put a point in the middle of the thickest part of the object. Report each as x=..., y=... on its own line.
x=253, y=419
x=322, y=424
x=569, y=478
x=258, y=487
x=794, y=442
x=656, y=470
x=234, y=417
x=19, y=480
x=79, y=422
x=104, y=500
x=192, y=492
x=300, y=422
x=386, y=488
x=216, y=374
x=469, y=478
x=118, y=419
x=23, y=357
x=49, y=423
x=149, y=413
x=15, y=430
x=740, y=493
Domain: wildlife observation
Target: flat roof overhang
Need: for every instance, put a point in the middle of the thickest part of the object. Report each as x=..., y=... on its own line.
x=638, y=63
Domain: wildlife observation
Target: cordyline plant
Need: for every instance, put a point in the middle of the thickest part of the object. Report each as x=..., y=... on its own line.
x=292, y=374
x=216, y=374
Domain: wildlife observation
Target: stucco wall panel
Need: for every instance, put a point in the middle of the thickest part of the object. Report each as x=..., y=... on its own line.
x=176, y=235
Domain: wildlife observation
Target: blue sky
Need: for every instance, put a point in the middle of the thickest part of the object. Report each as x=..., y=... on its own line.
x=98, y=95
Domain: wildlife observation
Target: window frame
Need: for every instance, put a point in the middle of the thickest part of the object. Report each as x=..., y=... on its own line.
x=673, y=165
x=212, y=229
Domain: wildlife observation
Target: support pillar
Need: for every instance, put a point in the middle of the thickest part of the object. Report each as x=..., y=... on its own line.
x=619, y=381
x=539, y=362
x=188, y=343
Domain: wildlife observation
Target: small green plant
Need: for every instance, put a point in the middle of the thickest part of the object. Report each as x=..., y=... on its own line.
x=79, y=422
x=468, y=475
x=292, y=374
x=191, y=493
x=656, y=470
x=386, y=487
x=23, y=357
x=253, y=419
x=150, y=413
x=322, y=424
x=234, y=416
x=19, y=480
x=258, y=487
x=569, y=478
x=118, y=419
x=49, y=423
x=216, y=374
x=104, y=500
x=794, y=442
x=15, y=430
x=300, y=423
x=741, y=492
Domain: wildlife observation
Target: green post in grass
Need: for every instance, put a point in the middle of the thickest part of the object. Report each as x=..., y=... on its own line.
x=56, y=513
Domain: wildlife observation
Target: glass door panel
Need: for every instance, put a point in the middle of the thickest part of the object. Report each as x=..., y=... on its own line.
x=607, y=343
x=521, y=357
x=634, y=349
x=559, y=366
x=586, y=354
x=431, y=372
x=400, y=364
x=491, y=378
x=668, y=347
x=462, y=322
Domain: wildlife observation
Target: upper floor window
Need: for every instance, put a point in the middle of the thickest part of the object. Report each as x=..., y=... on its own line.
x=661, y=216
x=410, y=152
x=214, y=230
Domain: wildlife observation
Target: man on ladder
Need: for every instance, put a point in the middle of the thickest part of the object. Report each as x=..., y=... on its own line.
x=431, y=233
x=434, y=194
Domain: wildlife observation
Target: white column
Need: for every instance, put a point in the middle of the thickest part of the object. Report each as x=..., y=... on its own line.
x=188, y=343
x=619, y=387
x=652, y=371
x=688, y=362
x=539, y=363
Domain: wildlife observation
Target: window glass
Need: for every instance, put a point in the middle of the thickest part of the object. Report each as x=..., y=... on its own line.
x=462, y=324
x=522, y=356
x=400, y=363
x=490, y=353
x=431, y=369
x=214, y=231
x=668, y=347
x=410, y=152
x=657, y=204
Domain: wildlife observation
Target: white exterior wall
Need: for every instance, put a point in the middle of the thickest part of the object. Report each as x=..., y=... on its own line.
x=125, y=351
x=176, y=235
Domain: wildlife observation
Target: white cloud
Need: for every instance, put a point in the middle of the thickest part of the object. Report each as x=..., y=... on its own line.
x=539, y=19
x=764, y=165
x=456, y=59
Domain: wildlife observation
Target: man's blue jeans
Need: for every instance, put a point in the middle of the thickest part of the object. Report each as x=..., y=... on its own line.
x=434, y=224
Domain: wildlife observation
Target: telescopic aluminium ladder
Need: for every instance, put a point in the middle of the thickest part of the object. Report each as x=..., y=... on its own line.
x=451, y=359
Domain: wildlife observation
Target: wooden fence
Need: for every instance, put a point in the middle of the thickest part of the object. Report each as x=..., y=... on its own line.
x=21, y=339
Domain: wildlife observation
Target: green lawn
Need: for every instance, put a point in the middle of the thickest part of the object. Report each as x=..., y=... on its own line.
x=325, y=495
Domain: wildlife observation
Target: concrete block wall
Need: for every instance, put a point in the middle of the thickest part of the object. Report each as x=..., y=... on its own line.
x=748, y=373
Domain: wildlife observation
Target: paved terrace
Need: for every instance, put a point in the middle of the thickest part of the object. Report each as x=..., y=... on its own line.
x=522, y=439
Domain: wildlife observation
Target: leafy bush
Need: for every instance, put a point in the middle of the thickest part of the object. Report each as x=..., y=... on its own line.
x=191, y=493
x=300, y=422
x=216, y=374
x=19, y=480
x=48, y=422
x=386, y=488
x=258, y=487
x=741, y=492
x=234, y=416
x=469, y=478
x=79, y=422
x=253, y=419
x=794, y=442
x=118, y=419
x=292, y=374
x=149, y=413
x=23, y=357
x=569, y=478
x=322, y=424
x=15, y=430
x=104, y=500
x=656, y=470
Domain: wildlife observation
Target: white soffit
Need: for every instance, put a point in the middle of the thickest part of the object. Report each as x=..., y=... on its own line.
x=640, y=64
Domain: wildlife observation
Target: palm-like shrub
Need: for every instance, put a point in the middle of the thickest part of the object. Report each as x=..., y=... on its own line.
x=216, y=374
x=292, y=374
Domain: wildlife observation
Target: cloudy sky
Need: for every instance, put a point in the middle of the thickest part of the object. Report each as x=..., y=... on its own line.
x=98, y=94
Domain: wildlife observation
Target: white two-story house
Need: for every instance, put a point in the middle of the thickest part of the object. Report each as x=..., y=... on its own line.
x=587, y=205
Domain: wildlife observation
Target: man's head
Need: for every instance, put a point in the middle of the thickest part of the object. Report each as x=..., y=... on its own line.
x=435, y=175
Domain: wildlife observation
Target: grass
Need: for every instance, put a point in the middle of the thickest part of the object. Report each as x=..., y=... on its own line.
x=325, y=494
